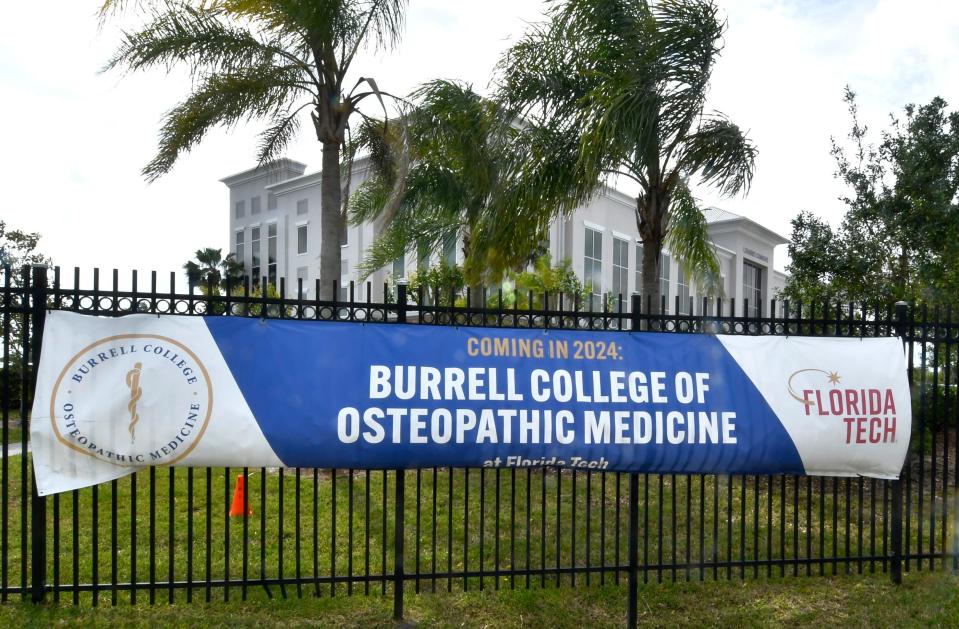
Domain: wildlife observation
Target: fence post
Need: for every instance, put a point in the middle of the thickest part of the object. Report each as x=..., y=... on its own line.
x=400, y=502
x=632, y=580
x=896, y=567
x=401, y=301
x=38, y=505
x=398, y=546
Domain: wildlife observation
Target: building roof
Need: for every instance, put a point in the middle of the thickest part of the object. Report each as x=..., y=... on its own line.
x=718, y=215
x=315, y=178
x=298, y=178
x=293, y=167
x=296, y=183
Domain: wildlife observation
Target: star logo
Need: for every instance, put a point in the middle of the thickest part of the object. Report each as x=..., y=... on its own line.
x=832, y=377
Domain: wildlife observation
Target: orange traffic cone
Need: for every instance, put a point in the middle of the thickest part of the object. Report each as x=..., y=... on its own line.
x=239, y=495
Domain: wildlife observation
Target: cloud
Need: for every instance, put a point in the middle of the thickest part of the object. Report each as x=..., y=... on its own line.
x=79, y=138
x=782, y=76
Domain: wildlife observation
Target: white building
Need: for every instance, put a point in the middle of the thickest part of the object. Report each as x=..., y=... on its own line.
x=275, y=232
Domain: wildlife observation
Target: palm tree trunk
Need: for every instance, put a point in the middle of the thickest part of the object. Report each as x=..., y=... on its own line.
x=650, y=276
x=649, y=216
x=330, y=219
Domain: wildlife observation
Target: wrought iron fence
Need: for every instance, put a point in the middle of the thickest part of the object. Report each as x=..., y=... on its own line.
x=166, y=534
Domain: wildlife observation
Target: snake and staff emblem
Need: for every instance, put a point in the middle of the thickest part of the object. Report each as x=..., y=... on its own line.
x=133, y=382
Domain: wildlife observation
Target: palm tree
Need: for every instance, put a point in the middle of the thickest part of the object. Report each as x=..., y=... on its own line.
x=265, y=59
x=211, y=269
x=435, y=173
x=618, y=88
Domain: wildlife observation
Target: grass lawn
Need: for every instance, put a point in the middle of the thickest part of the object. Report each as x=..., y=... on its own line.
x=13, y=426
x=923, y=600
x=16, y=434
x=343, y=524
x=319, y=524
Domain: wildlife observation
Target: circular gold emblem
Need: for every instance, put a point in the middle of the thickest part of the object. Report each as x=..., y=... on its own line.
x=132, y=400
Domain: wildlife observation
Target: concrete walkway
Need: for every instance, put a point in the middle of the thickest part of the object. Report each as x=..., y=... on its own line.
x=13, y=449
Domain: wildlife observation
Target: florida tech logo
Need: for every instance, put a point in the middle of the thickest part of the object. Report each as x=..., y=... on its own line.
x=132, y=399
x=869, y=414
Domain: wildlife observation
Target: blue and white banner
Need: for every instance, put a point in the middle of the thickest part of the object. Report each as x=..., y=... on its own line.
x=118, y=394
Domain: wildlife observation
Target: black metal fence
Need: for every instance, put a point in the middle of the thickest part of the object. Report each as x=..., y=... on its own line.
x=166, y=534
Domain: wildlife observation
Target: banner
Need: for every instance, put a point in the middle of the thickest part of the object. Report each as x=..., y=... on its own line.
x=118, y=394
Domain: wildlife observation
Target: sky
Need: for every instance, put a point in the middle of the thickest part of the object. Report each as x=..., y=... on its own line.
x=75, y=138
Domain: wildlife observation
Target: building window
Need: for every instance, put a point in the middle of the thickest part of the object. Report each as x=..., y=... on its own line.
x=344, y=232
x=664, y=279
x=593, y=263
x=302, y=207
x=255, y=255
x=682, y=289
x=449, y=250
x=271, y=253
x=302, y=280
x=399, y=268
x=753, y=288
x=238, y=248
x=270, y=201
x=620, y=268
x=240, y=209
x=254, y=205
x=301, y=239
x=422, y=257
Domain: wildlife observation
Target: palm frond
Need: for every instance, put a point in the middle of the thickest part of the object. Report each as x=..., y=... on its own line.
x=536, y=77
x=721, y=154
x=688, y=239
x=619, y=86
x=629, y=77
x=344, y=25
x=274, y=139
x=367, y=201
x=203, y=39
x=193, y=272
x=209, y=257
x=233, y=271
x=206, y=267
x=545, y=172
x=455, y=131
x=387, y=148
x=386, y=19
x=110, y=8
x=688, y=42
x=377, y=140
x=415, y=229
x=221, y=99
x=616, y=117
x=434, y=169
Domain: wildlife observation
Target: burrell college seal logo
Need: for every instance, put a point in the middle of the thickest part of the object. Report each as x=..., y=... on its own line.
x=132, y=399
